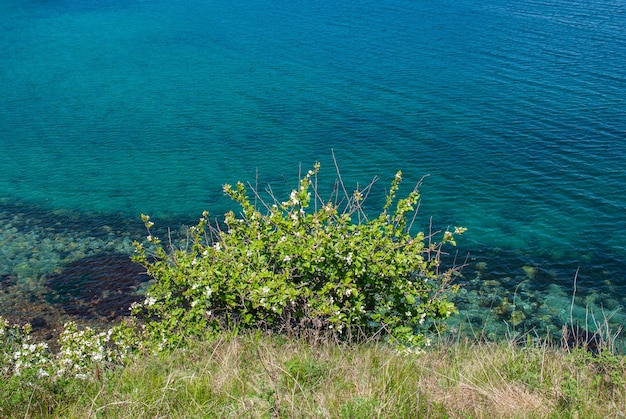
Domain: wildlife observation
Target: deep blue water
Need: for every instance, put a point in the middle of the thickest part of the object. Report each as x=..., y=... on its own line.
x=515, y=109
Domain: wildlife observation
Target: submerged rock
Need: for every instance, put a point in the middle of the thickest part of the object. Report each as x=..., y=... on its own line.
x=517, y=317
x=481, y=266
x=530, y=271
x=7, y=281
x=491, y=283
x=98, y=287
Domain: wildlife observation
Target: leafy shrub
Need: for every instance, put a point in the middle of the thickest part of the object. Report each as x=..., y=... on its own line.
x=82, y=351
x=304, y=264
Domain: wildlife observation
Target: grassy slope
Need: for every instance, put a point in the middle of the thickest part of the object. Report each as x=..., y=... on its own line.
x=260, y=376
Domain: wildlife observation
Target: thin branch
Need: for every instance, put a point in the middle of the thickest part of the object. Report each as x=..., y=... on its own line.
x=571, y=309
x=339, y=178
x=418, y=185
x=258, y=198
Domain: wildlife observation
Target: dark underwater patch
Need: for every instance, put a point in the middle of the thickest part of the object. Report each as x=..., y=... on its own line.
x=98, y=287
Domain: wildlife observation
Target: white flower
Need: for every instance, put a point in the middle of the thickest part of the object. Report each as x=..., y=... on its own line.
x=266, y=290
x=149, y=301
x=217, y=247
x=287, y=258
x=349, y=259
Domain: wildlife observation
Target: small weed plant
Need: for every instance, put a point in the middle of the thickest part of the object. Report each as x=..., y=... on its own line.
x=303, y=265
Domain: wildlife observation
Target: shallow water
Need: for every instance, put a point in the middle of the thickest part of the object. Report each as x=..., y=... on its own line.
x=515, y=109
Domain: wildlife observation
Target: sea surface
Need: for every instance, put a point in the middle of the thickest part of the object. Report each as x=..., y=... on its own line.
x=514, y=109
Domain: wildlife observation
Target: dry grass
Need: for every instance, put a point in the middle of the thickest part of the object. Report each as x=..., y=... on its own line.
x=476, y=385
x=269, y=377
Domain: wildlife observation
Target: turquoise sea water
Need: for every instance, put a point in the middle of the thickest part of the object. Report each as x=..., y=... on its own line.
x=515, y=109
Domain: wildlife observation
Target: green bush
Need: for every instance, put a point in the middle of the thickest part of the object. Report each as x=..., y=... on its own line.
x=306, y=264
